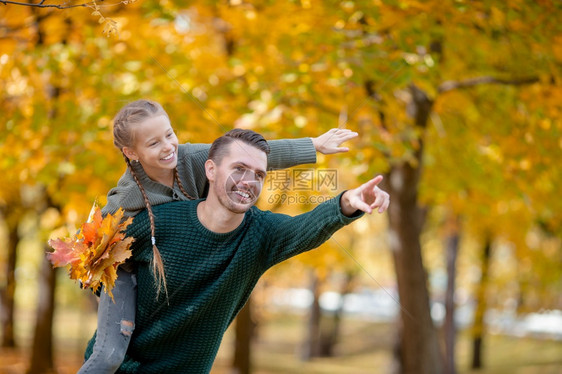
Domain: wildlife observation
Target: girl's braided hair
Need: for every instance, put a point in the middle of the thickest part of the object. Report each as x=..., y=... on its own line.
x=124, y=136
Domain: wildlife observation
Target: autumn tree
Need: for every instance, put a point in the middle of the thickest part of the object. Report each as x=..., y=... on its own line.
x=457, y=103
x=39, y=96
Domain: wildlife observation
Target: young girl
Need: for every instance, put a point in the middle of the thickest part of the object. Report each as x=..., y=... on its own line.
x=159, y=171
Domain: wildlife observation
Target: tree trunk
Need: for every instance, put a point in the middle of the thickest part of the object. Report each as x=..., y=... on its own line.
x=311, y=344
x=479, y=327
x=42, y=351
x=244, y=330
x=419, y=350
x=7, y=305
x=330, y=333
x=452, y=249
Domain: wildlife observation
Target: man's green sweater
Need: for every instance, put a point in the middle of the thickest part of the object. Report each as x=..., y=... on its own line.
x=285, y=153
x=209, y=278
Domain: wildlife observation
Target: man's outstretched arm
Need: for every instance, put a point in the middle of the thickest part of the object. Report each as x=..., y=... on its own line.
x=288, y=236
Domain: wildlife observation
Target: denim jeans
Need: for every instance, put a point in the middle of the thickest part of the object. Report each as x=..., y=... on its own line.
x=116, y=322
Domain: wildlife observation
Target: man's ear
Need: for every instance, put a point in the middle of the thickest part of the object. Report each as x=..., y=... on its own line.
x=131, y=155
x=210, y=170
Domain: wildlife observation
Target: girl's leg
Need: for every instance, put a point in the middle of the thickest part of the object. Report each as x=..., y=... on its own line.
x=116, y=322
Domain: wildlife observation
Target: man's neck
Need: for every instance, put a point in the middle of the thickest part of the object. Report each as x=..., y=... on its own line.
x=216, y=217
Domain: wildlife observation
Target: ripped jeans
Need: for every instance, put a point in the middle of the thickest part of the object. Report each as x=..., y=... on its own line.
x=116, y=322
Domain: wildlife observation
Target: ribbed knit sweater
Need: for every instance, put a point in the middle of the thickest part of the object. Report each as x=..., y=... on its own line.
x=284, y=153
x=209, y=278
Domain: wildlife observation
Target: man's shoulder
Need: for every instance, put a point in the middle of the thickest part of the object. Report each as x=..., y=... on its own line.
x=260, y=217
x=175, y=206
x=255, y=211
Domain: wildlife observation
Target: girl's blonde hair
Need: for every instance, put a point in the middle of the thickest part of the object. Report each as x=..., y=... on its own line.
x=124, y=125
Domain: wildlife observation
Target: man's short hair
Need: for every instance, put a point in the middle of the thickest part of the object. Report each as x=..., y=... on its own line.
x=219, y=148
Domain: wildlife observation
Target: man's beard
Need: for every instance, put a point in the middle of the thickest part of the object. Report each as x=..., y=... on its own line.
x=230, y=197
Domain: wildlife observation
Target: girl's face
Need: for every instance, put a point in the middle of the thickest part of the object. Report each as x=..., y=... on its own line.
x=156, y=146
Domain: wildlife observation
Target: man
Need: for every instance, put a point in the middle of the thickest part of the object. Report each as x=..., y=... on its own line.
x=214, y=252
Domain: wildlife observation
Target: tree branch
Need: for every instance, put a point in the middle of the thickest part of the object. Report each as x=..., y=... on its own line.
x=452, y=85
x=42, y=5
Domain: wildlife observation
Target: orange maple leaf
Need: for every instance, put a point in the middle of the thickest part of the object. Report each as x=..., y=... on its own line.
x=95, y=251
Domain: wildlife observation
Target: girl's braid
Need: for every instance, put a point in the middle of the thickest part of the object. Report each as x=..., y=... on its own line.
x=157, y=263
x=180, y=184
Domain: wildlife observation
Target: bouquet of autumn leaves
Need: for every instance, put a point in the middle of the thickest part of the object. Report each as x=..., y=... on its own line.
x=95, y=251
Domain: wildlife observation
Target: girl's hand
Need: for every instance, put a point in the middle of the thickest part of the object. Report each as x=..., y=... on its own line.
x=329, y=142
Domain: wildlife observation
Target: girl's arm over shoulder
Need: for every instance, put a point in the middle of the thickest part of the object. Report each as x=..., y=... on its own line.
x=285, y=153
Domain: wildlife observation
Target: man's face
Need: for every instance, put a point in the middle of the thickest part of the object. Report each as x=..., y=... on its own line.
x=239, y=177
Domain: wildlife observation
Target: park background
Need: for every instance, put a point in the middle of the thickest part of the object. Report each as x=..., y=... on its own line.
x=457, y=103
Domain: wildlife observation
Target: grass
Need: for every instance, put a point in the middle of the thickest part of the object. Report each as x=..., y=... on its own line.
x=365, y=347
